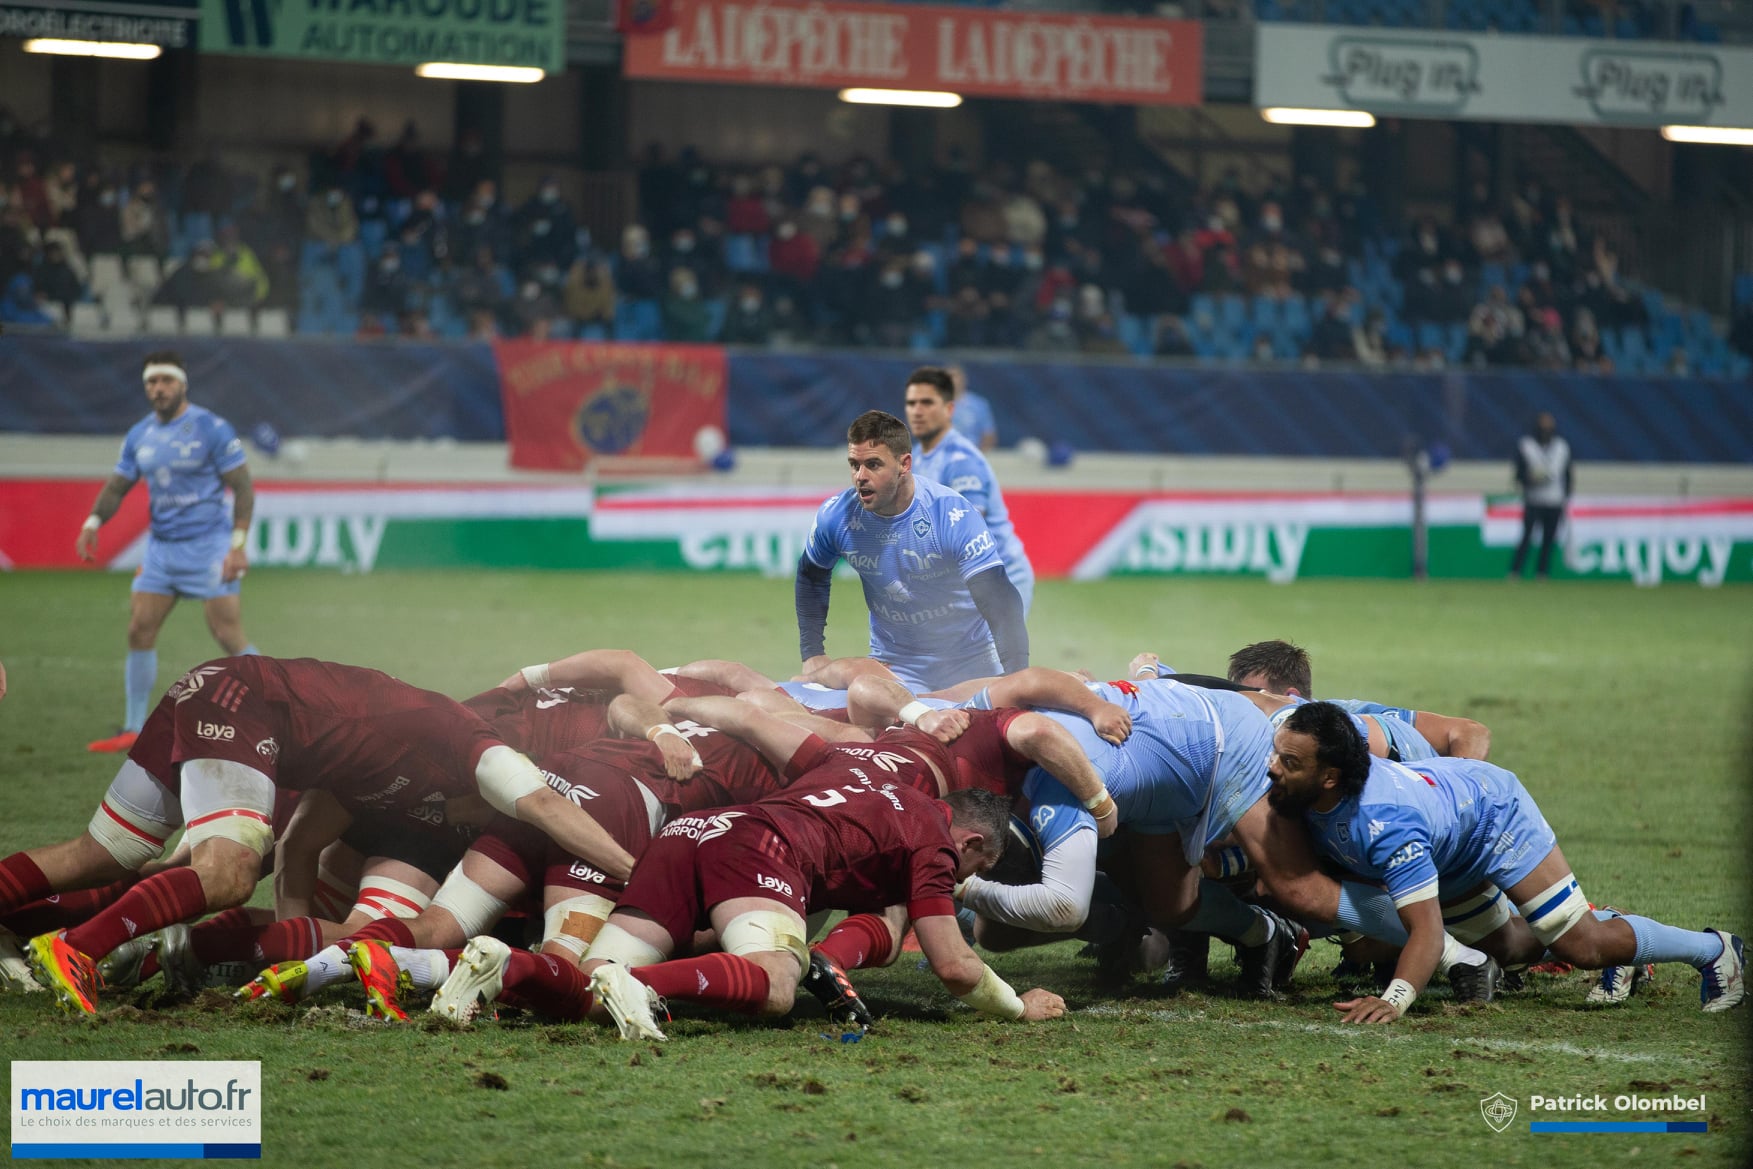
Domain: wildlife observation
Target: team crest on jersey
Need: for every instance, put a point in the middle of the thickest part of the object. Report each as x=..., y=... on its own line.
x=190, y=683
x=1345, y=833
x=921, y=526
x=268, y=749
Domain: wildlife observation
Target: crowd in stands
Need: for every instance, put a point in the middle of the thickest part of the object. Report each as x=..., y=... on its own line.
x=391, y=239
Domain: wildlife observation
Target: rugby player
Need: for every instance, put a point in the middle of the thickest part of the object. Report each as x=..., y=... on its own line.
x=188, y=456
x=1457, y=842
x=942, y=609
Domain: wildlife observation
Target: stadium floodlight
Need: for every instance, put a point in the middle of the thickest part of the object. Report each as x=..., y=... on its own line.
x=456, y=71
x=121, y=50
x=1710, y=135
x=1287, y=116
x=928, y=98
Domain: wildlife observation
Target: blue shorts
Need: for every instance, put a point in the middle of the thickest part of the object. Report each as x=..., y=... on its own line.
x=940, y=673
x=1511, y=840
x=187, y=568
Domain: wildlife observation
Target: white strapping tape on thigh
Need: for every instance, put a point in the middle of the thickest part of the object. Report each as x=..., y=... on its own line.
x=381, y=897
x=229, y=801
x=614, y=944
x=766, y=931
x=333, y=895
x=1551, y=913
x=136, y=817
x=575, y=922
x=474, y=908
x=505, y=777
x=1477, y=917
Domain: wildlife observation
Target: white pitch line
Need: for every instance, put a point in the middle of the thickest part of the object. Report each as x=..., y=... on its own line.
x=1356, y=1032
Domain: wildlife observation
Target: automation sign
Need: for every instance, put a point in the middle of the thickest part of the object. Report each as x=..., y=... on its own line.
x=391, y=32
x=141, y=22
x=1570, y=80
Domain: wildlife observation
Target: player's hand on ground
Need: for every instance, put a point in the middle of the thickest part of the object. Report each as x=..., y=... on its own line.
x=1112, y=723
x=1368, y=1009
x=680, y=760
x=807, y=672
x=1040, y=1005
x=946, y=726
x=86, y=544
x=1144, y=665
x=237, y=562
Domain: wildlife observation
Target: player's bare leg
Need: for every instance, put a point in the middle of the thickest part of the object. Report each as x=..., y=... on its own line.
x=225, y=621
x=730, y=675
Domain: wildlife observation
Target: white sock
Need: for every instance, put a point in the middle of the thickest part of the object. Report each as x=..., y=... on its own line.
x=426, y=968
x=325, y=966
x=1456, y=954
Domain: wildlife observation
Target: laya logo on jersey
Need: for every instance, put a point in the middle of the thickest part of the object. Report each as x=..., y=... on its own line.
x=191, y=682
x=978, y=546
x=584, y=872
x=783, y=888
x=1406, y=855
x=430, y=810
x=217, y=732
x=700, y=829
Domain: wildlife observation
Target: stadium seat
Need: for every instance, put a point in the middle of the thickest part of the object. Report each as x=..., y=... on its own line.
x=593, y=332
x=234, y=322
x=122, y=319
x=273, y=322
x=197, y=226
x=198, y=322
x=1232, y=312
x=106, y=274
x=144, y=273
x=87, y=320
x=163, y=321
x=372, y=234
x=1430, y=336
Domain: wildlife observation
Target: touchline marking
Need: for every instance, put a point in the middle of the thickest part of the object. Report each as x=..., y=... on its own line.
x=1356, y=1032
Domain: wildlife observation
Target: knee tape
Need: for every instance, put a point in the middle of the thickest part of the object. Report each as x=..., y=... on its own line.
x=474, y=908
x=766, y=931
x=505, y=777
x=381, y=897
x=228, y=801
x=1476, y=917
x=614, y=944
x=575, y=922
x=1552, y=912
x=136, y=818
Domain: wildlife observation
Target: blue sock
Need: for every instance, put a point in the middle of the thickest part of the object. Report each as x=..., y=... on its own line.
x=247, y=650
x=141, y=678
x=1667, y=943
x=1224, y=915
x=1368, y=910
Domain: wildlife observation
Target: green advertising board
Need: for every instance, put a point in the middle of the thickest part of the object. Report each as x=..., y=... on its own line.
x=391, y=32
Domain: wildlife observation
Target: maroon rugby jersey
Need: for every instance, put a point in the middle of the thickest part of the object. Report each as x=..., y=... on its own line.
x=731, y=771
x=557, y=718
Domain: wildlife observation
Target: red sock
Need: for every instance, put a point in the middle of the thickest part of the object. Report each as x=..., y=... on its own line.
x=719, y=980
x=861, y=940
x=160, y=900
x=393, y=930
x=280, y=941
x=21, y=882
x=234, y=918
x=59, y=911
x=543, y=983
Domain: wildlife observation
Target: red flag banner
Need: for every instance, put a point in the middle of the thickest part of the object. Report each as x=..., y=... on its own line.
x=990, y=53
x=569, y=402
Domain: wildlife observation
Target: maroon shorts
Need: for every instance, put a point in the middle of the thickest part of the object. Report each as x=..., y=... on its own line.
x=518, y=848
x=703, y=860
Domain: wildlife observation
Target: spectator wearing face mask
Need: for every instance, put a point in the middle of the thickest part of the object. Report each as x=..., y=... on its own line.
x=793, y=257
x=590, y=294
x=891, y=309
x=748, y=321
x=241, y=266
x=331, y=219
x=145, y=231
x=545, y=231
x=483, y=287
x=534, y=311
x=747, y=211
x=197, y=283
x=97, y=220
x=1055, y=333
x=482, y=223
x=701, y=254
x=639, y=276
x=898, y=242
x=56, y=279
x=386, y=285
x=685, y=315
x=1453, y=299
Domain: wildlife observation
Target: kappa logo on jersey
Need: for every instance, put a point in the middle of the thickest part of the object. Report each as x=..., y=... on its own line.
x=268, y=749
x=921, y=526
x=1406, y=855
x=1376, y=828
x=783, y=888
x=956, y=514
x=978, y=546
x=218, y=732
x=191, y=682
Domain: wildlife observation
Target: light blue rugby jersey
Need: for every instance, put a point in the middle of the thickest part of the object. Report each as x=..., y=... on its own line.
x=1399, y=723
x=914, y=567
x=958, y=464
x=181, y=461
x=1410, y=828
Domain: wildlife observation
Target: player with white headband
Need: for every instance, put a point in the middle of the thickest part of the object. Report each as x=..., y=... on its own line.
x=188, y=456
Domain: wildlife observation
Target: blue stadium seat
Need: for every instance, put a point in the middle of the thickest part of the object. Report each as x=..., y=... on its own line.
x=1266, y=314
x=197, y=226
x=1232, y=312
x=742, y=253
x=1457, y=340
x=1631, y=340
x=716, y=308
x=1743, y=288
x=593, y=332
x=638, y=320
x=1134, y=334
x=1294, y=315
x=372, y=234
x=350, y=266
x=1399, y=334
x=1202, y=312
x=1430, y=336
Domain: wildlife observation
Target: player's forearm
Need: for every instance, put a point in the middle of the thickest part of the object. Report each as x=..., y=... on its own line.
x=1422, y=952
x=1058, y=904
x=810, y=598
x=876, y=702
x=576, y=832
x=1045, y=742
x=1002, y=607
x=109, y=499
x=609, y=669
x=243, y=499
x=635, y=718
x=1461, y=738
x=1041, y=687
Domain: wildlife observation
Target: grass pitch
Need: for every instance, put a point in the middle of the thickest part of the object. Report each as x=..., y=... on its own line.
x=1626, y=713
